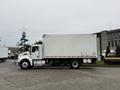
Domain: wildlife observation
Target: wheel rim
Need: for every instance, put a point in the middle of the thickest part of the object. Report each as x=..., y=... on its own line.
x=25, y=64
x=75, y=64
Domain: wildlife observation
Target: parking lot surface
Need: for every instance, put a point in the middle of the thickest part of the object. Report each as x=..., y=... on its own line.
x=58, y=78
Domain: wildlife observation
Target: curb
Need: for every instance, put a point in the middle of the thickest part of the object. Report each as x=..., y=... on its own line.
x=101, y=65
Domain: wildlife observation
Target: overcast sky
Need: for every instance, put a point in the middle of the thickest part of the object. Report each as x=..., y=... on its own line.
x=37, y=17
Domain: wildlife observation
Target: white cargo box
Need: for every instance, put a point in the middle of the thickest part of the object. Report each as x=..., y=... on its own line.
x=3, y=52
x=70, y=46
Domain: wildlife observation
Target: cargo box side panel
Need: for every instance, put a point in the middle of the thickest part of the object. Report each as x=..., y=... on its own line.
x=3, y=52
x=70, y=46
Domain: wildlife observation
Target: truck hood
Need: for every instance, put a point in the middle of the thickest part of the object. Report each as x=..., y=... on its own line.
x=23, y=54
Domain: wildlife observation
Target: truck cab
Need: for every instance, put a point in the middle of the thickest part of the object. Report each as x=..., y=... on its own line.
x=31, y=58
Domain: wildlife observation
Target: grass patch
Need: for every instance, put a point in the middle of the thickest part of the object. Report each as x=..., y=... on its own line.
x=100, y=62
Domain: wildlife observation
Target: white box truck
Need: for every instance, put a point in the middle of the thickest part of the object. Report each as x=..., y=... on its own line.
x=61, y=49
x=3, y=53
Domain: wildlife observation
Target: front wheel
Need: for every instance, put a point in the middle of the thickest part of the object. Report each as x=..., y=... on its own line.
x=75, y=64
x=25, y=64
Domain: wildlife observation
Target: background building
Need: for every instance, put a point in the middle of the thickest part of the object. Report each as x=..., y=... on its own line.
x=109, y=38
x=114, y=38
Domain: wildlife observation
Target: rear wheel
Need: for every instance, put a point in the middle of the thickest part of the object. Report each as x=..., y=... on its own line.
x=25, y=64
x=2, y=60
x=75, y=64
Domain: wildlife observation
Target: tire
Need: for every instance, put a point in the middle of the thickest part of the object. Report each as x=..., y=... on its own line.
x=25, y=64
x=75, y=64
x=2, y=60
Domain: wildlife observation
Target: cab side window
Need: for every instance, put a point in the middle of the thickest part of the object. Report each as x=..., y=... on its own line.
x=35, y=48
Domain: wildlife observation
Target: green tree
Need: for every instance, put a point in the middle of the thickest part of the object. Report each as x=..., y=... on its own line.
x=118, y=51
x=23, y=43
x=107, y=51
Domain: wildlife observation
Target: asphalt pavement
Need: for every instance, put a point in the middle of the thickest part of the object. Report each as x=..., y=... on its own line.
x=59, y=78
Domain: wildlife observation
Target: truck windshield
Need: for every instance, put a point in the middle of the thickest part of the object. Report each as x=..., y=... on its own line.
x=35, y=48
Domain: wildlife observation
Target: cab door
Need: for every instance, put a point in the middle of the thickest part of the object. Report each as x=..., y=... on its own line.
x=35, y=52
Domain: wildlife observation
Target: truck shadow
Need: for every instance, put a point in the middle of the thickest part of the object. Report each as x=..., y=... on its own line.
x=63, y=68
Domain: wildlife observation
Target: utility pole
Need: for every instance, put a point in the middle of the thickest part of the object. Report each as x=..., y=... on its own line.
x=109, y=28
